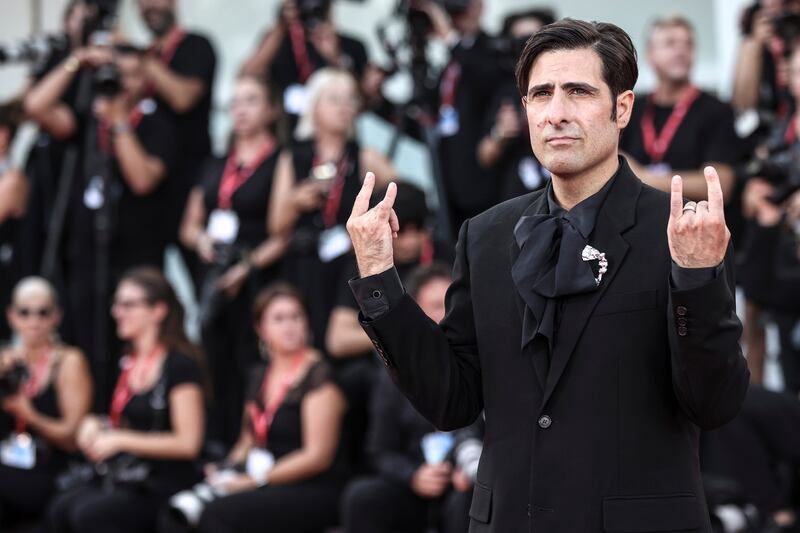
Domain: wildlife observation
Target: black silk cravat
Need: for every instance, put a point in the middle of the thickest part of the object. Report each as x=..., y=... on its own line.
x=549, y=265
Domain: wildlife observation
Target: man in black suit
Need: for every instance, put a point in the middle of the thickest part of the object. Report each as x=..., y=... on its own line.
x=593, y=320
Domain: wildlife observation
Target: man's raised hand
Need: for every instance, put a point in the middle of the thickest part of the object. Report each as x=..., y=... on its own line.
x=697, y=234
x=372, y=230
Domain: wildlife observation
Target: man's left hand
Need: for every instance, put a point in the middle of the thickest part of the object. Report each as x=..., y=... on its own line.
x=697, y=234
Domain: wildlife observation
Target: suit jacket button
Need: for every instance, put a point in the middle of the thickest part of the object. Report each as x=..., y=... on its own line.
x=682, y=331
x=545, y=422
x=681, y=310
x=682, y=322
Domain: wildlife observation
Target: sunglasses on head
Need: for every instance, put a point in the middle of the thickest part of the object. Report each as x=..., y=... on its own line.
x=41, y=312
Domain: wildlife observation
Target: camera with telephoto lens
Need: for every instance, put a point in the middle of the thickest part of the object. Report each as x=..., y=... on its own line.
x=780, y=168
x=11, y=380
x=418, y=20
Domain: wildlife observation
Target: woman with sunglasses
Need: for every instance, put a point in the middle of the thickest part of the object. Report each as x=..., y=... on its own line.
x=145, y=451
x=46, y=389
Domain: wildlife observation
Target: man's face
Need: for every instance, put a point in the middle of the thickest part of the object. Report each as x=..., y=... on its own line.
x=158, y=15
x=671, y=53
x=569, y=112
x=131, y=75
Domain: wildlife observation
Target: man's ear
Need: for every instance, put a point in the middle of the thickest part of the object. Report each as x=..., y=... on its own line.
x=624, y=108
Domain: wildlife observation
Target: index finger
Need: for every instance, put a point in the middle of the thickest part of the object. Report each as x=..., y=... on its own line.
x=361, y=204
x=715, y=200
x=676, y=198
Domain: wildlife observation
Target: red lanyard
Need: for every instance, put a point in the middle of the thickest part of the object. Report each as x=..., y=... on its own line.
x=452, y=75
x=103, y=129
x=790, y=137
x=34, y=384
x=235, y=175
x=298, y=38
x=122, y=392
x=777, y=48
x=657, y=146
x=262, y=418
x=166, y=51
x=334, y=201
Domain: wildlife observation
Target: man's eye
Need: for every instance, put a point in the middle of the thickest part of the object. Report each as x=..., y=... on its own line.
x=540, y=94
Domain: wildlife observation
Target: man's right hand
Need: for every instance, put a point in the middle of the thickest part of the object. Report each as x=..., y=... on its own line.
x=431, y=481
x=371, y=230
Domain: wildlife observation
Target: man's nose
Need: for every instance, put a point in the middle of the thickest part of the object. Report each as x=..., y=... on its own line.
x=558, y=109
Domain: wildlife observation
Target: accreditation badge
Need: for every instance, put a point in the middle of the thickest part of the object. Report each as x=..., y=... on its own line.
x=333, y=242
x=449, y=122
x=18, y=451
x=223, y=226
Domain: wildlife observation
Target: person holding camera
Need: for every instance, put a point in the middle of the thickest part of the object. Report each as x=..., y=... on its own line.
x=225, y=223
x=179, y=67
x=416, y=482
x=144, y=450
x=45, y=391
x=303, y=41
x=505, y=148
x=119, y=195
x=14, y=194
x=286, y=471
x=679, y=129
x=316, y=180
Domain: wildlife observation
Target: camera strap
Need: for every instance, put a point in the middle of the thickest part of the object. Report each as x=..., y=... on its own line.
x=297, y=35
x=262, y=418
x=123, y=393
x=656, y=146
x=450, y=79
x=790, y=136
x=235, y=175
x=167, y=50
x=35, y=382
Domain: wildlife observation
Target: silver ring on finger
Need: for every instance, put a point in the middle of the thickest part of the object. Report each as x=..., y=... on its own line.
x=690, y=206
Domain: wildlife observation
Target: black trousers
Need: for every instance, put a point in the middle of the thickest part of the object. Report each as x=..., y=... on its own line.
x=23, y=493
x=91, y=509
x=305, y=508
x=378, y=505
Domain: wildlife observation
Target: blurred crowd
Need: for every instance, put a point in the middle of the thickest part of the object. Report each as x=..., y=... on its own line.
x=279, y=417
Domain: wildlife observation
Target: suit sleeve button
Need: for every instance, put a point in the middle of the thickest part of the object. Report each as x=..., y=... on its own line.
x=681, y=310
x=545, y=422
x=682, y=331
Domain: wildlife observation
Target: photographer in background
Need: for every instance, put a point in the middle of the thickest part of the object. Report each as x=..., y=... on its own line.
x=225, y=223
x=679, y=129
x=467, y=84
x=179, y=68
x=14, y=192
x=45, y=391
x=303, y=41
x=760, y=81
x=123, y=177
x=505, y=148
x=768, y=256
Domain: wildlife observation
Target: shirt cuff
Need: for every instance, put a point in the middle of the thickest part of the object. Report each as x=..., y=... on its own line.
x=685, y=279
x=377, y=294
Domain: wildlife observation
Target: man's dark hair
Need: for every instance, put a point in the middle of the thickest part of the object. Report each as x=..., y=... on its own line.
x=421, y=276
x=545, y=16
x=610, y=42
x=410, y=205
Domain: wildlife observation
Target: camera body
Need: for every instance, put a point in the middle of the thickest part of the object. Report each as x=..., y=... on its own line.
x=781, y=168
x=11, y=381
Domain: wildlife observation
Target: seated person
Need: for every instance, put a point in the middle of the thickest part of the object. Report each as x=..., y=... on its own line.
x=146, y=450
x=285, y=473
x=40, y=412
x=413, y=476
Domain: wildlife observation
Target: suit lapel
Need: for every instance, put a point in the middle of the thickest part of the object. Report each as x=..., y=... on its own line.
x=539, y=360
x=616, y=215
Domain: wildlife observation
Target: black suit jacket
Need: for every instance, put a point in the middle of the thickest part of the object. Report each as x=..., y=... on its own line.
x=606, y=439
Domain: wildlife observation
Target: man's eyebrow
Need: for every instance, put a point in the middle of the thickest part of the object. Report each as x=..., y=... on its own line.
x=566, y=86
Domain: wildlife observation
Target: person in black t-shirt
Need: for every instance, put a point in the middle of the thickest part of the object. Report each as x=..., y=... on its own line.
x=286, y=472
x=465, y=88
x=40, y=419
x=136, y=149
x=180, y=68
x=14, y=193
x=303, y=41
x=505, y=149
x=678, y=129
x=225, y=223
x=154, y=431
